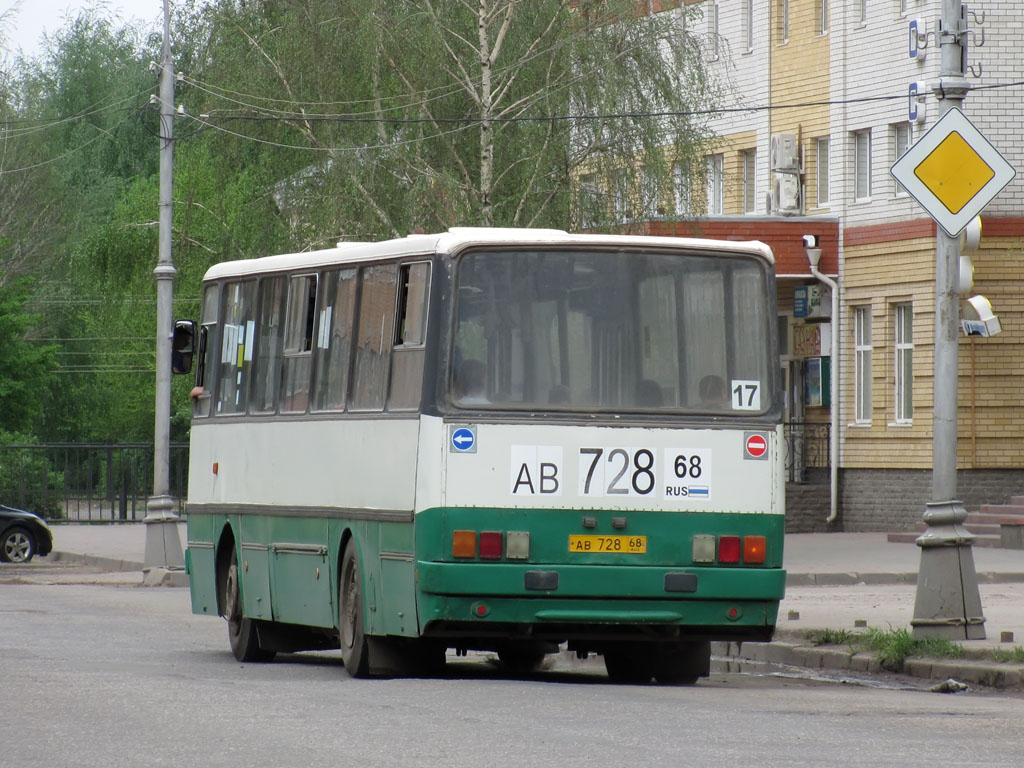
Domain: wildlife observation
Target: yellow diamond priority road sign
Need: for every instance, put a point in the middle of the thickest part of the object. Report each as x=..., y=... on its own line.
x=953, y=171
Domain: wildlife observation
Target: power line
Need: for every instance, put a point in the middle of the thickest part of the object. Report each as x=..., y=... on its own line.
x=329, y=118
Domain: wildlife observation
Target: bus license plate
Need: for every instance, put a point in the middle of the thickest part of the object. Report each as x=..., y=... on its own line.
x=633, y=545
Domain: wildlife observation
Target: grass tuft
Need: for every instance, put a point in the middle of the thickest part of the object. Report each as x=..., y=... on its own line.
x=892, y=647
x=1012, y=656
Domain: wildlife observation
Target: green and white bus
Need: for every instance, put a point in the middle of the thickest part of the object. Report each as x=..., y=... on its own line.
x=490, y=439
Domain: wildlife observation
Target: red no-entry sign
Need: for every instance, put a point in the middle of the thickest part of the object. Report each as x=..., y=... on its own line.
x=756, y=446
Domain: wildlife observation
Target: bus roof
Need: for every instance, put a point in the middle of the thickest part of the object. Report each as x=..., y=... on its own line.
x=458, y=238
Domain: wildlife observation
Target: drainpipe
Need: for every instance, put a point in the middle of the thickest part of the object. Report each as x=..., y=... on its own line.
x=814, y=256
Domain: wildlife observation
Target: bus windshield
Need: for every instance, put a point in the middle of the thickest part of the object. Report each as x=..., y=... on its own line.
x=626, y=330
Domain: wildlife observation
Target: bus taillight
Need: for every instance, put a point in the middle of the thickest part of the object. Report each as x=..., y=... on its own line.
x=754, y=549
x=729, y=549
x=463, y=543
x=490, y=545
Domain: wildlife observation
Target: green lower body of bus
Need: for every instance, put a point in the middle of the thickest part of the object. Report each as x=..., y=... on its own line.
x=678, y=580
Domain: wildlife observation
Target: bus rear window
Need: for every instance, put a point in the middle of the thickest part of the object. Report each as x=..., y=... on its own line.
x=627, y=330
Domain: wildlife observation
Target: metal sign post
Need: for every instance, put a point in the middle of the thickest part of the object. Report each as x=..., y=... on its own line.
x=953, y=172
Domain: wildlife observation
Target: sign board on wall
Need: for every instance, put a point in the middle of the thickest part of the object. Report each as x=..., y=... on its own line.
x=812, y=339
x=811, y=301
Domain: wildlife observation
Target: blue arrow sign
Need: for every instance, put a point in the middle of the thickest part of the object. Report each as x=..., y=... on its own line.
x=463, y=439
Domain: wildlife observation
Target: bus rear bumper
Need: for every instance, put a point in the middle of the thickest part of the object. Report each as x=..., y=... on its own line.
x=600, y=581
x=598, y=602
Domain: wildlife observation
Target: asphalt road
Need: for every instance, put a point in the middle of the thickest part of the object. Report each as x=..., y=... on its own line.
x=106, y=675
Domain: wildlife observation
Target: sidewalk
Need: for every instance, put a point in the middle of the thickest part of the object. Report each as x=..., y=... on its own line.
x=834, y=581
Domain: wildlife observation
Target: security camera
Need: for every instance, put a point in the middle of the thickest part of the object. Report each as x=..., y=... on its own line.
x=810, y=241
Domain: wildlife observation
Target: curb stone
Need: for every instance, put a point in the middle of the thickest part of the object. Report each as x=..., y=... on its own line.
x=976, y=671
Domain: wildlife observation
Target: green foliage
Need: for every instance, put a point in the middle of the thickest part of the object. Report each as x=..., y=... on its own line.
x=27, y=477
x=832, y=637
x=1014, y=655
x=25, y=367
x=326, y=121
x=891, y=647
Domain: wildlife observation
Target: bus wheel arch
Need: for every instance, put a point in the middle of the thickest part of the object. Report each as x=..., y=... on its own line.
x=225, y=547
x=243, y=635
x=351, y=618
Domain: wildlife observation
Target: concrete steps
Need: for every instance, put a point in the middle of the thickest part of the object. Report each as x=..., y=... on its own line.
x=986, y=524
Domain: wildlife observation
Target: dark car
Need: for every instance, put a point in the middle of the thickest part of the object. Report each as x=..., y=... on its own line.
x=22, y=535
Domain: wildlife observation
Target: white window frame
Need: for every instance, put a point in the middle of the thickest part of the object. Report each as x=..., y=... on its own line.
x=748, y=161
x=822, y=154
x=863, y=11
x=620, y=196
x=902, y=138
x=715, y=184
x=711, y=11
x=822, y=8
x=682, y=198
x=903, y=315
x=783, y=10
x=862, y=165
x=862, y=364
x=748, y=24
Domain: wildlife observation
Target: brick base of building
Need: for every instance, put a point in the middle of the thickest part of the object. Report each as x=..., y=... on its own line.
x=894, y=500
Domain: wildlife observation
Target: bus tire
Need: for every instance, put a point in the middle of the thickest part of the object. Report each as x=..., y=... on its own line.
x=682, y=663
x=630, y=664
x=354, y=647
x=242, y=635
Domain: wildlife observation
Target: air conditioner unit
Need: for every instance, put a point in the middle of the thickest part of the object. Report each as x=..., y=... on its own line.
x=786, y=193
x=785, y=154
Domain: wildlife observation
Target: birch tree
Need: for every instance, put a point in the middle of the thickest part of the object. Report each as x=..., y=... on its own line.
x=389, y=117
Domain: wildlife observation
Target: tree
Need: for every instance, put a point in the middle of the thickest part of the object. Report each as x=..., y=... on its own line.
x=422, y=114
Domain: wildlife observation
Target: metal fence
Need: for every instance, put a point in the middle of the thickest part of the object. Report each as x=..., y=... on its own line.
x=87, y=481
x=808, y=447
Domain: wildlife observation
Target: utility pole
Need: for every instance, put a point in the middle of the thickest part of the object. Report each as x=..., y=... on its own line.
x=163, y=543
x=948, y=603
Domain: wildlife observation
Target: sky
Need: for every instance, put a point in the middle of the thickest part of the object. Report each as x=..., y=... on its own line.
x=29, y=18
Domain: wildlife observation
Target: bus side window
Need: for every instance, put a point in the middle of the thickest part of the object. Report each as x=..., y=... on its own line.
x=300, y=314
x=203, y=390
x=270, y=341
x=374, y=337
x=410, y=336
x=237, y=331
x=334, y=339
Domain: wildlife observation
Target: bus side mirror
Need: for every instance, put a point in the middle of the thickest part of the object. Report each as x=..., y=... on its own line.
x=183, y=346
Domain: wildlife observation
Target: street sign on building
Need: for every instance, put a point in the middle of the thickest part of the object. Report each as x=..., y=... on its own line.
x=953, y=171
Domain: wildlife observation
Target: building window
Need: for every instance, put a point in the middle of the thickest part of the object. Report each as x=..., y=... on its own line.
x=749, y=160
x=712, y=18
x=649, y=191
x=620, y=196
x=862, y=364
x=823, y=172
x=681, y=189
x=904, y=363
x=862, y=11
x=748, y=23
x=716, y=197
x=822, y=17
x=783, y=20
x=862, y=165
x=901, y=137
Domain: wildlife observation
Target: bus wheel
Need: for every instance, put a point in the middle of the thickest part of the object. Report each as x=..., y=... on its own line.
x=629, y=664
x=245, y=643
x=354, y=648
x=682, y=663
